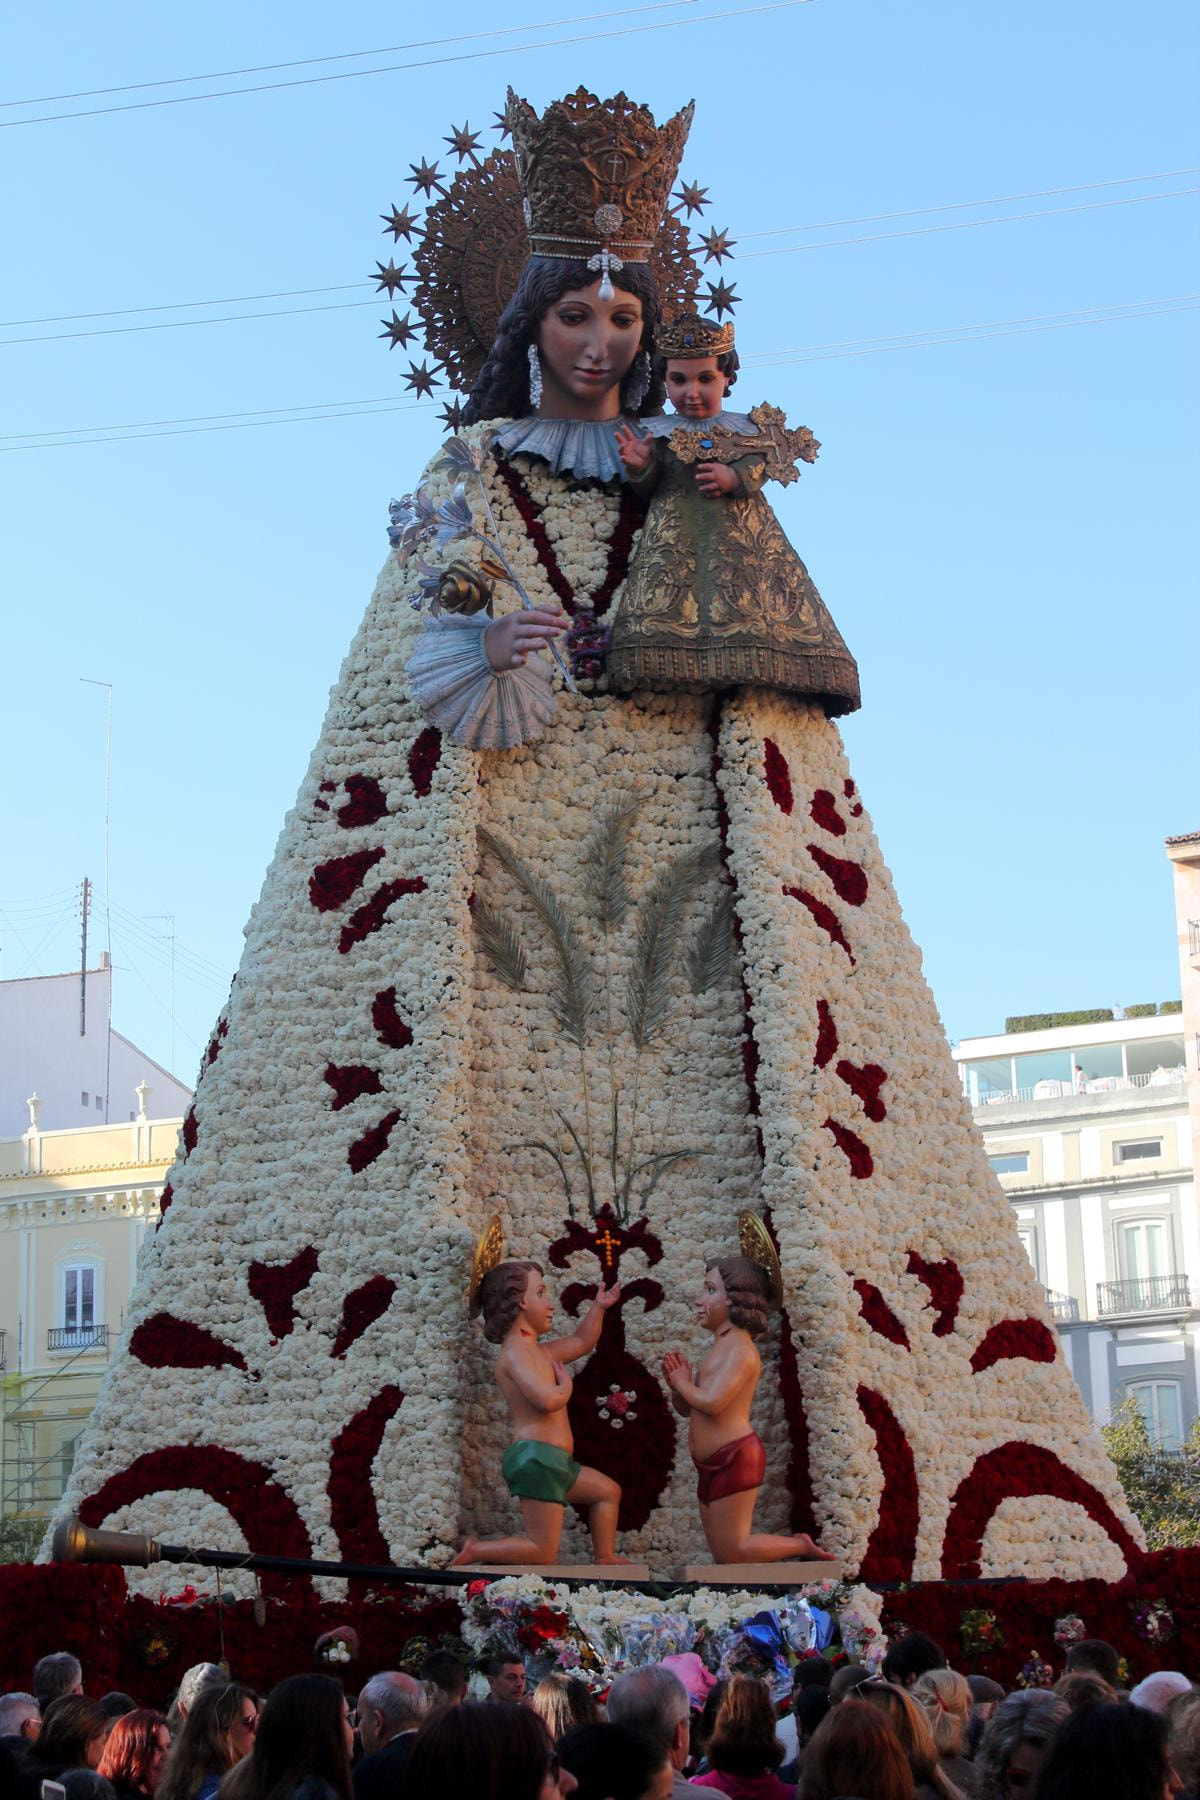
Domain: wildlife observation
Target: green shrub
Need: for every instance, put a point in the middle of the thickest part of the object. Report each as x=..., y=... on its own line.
x=1147, y=1010
x=1171, y=1006
x=1099, y=1015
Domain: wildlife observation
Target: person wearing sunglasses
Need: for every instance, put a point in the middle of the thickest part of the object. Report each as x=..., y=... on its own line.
x=1014, y=1744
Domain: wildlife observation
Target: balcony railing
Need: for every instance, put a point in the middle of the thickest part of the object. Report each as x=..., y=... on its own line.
x=1066, y=1090
x=77, y=1337
x=3, y=1350
x=1064, y=1308
x=1155, y=1293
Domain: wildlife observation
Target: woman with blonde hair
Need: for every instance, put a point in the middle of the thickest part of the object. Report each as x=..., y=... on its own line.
x=910, y=1725
x=945, y=1699
x=215, y=1736
x=563, y=1701
x=744, y=1751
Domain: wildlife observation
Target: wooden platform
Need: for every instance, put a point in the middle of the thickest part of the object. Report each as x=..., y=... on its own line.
x=560, y=1571
x=759, y=1575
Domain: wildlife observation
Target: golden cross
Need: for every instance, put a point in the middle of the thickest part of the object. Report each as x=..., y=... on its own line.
x=608, y=1243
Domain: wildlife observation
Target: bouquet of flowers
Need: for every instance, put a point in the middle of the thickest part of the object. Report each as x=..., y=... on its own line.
x=980, y=1631
x=1155, y=1622
x=1068, y=1630
x=1035, y=1672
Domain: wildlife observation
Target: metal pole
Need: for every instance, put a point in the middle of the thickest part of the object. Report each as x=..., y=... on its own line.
x=87, y=680
x=87, y=887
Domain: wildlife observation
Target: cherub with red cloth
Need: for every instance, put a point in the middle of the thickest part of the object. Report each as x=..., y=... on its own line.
x=729, y=1457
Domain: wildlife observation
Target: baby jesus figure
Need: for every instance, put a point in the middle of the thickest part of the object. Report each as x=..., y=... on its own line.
x=716, y=597
x=715, y=1400
x=539, y=1468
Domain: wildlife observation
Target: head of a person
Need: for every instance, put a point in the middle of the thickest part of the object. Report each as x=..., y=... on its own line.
x=1183, y=1739
x=846, y=1682
x=945, y=1699
x=702, y=1728
x=611, y=1762
x=813, y=1671
x=73, y=1733
x=736, y=1291
x=563, y=1701
x=1083, y=1690
x=136, y=1751
x=487, y=1752
x=387, y=1705
x=1092, y=1656
x=116, y=1704
x=86, y=1784
x=654, y=1702
x=910, y=1657
x=697, y=385
x=510, y=1291
x=855, y=1751
x=1096, y=1743
x=447, y=1674
x=810, y=1708
x=217, y=1733
x=20, y=1716
x=304, y=1733
x=1011, y=1750
x=586, y=344
x=908, y=1721
x=1157, y=1691
x=505, y=1676
x=200, y=1675
x=55, y=1675
x=743, y=1740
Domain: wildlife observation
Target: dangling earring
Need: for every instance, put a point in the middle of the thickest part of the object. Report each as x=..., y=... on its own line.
x=535, y=377
x=639, y=381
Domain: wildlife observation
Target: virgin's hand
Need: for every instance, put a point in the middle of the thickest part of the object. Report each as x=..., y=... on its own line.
x=634, y=449
x=510, y=642
x=714, y=478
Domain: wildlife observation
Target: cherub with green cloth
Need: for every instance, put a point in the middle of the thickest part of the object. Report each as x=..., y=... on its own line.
x=539, y=1468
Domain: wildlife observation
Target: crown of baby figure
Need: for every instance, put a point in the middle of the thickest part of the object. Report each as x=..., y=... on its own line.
x=688, y=335
x=595, y=175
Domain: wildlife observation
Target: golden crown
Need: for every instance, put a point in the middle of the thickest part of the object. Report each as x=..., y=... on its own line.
x=595, y=175
x=489, y=1254
x=754, y=1241
x=688, y=335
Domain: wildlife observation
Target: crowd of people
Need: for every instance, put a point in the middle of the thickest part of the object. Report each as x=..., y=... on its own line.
x=915, y=1730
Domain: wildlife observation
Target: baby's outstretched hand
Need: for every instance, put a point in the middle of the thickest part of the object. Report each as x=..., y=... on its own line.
x=715, y=478
x=634, y=449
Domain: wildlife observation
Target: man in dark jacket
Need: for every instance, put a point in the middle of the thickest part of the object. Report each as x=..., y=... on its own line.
x=391, y=1708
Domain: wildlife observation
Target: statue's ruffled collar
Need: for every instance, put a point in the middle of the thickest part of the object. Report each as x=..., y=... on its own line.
x=741, y=424
x=584, y=448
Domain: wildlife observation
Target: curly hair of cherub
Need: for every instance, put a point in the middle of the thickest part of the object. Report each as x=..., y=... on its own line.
x=502, y=1295
x=748, y=1290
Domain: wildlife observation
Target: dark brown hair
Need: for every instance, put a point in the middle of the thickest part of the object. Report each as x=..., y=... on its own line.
x=488, y=1752
x=502, y=388
x=130, y=1749
x=748, y=1290
x=856, y=1751
x=729, y=362
x=301, y=1736
x=68, y=1726
x=910, y=1725
x=204, y=1746
x=743, y=1741
x=502, y=1295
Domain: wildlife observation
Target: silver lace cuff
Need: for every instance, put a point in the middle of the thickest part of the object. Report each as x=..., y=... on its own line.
x=458, y=690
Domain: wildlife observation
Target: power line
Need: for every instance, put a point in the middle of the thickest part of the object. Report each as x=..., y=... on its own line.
x=387, y=401
x=879, y=237
x=915, y=340
x=287, y=312
x=307, y=62
x=124, y=312
x=592, y=37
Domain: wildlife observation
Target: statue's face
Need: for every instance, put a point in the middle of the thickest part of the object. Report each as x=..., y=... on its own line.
x=713, y=1303
x=537, y=1305
x=586, y=346
x=696, y=386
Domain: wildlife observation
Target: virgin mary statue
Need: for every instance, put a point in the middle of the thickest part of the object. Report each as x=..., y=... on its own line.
x=610, y=967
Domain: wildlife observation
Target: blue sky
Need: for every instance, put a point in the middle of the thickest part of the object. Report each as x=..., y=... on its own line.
x=998, y=525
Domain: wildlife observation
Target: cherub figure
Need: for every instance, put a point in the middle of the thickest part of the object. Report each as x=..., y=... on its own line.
x=715, y=1400
x=538, y=1467
x=716, y=597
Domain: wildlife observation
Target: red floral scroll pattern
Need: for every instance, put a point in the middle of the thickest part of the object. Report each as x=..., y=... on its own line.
x=825, y=917
x=778, y=776
x=165, y=1342
x=372, y=1144
x=190, y=1132
x=214, y=1043
x=276, y=1285
x=827, y=1036
x=630, y=515
x=423, y=759
x=370, y=917
x=849, y=790
x=893, y=1543
x=1018, y=1471
x=945, y=1283
x=823, y=812
x=266, y=1514
x=350, y=1082
x=864, y=1083
x=331, y=883
x=360, y=1311
x=1028, y=1339
x=367, y=803
x=390, y=1028
x=164, y=1202
x=856, y=1152
x=353, y=1511
x=849, y=879
x=879, y=1315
